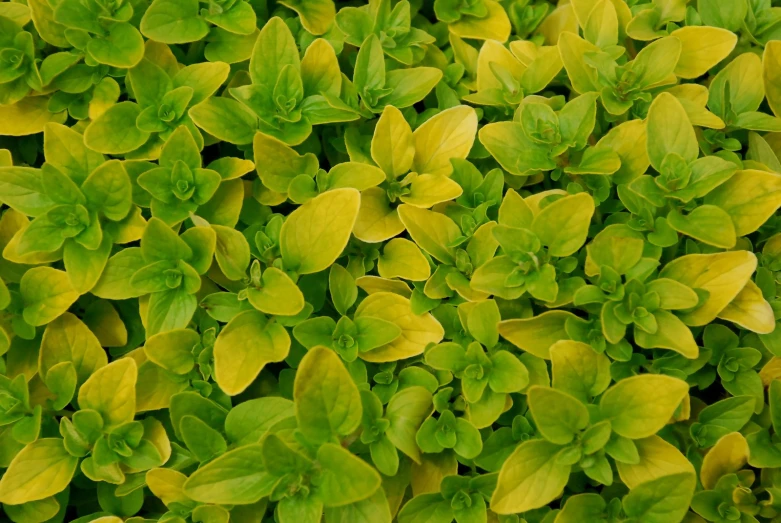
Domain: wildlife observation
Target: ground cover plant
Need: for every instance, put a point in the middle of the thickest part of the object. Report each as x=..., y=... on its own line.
x=417, y=261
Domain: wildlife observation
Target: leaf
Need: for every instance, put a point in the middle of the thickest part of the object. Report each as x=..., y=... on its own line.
x=278, y=295
x=669, y=131
x=170, y=309
x=562, y=226
x=122, y=47
x=249, y=421
x=344, y=478
x=410, y=86
x=402, y=259
x=64, y=148
x=750, y=310
x=232, y=252
x=327, y=401
x=314, y=235
x=417, y=331
x=173, y=350
x=729, y=455
x=661, y=500
x=173, y=22
x=708, y=224
x=538, y=334
x=640, y=406
x=428, y=508
x=723, y=275
x=392, y=146
x=671, y=334
x=750, y=197
x=433, y=232
x=67, y=339
x=226, y=119
x=530, y=478
x=111, y=390
x=559, y=417
x=449, y=134
x=729, y=92
x=376, y=221
x=47, y=293
x=579, y=370
x=101, y=136
x=22, y=189
x=244, y=347
x=427, y=190
x=42, y=469
x=702, y=48
x=658, y=458
x=235, y=478
x=203, y=78
x=27, y=116
x=771, y=74
x=406, y=410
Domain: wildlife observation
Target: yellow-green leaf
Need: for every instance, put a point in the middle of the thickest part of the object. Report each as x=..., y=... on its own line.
x=314, y=235
x=392, y=146
x=417, y=331
x=449, y=134
x=402, y=259
x=111, y=390
x=723, y=275
x=638, y=407
x=42, y=469
x=658, y=458
x=750, y=310
x=702, y=47
x=538, y=334
x=530, y=478
x=244, y=347
x=727, y=456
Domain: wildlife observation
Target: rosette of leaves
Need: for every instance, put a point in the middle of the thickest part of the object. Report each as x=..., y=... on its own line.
x=461, y=499
x=505, y=77
x=542, y=139
x=390, y=429
x=682, y=179
x=103, y=32
x=347, y=336
x=574, y=437
x=165, y=267
x=19, y=73
x=79, y=202
x=624, y=294
x=287, y=94
x=163, y=94
x=535, y=247
x=397, y=150
x=100, y=438
x=390, y=24
x=184, y=21
x=302, y=467
x=488, y=374
x=378, y=87
x=179, y=185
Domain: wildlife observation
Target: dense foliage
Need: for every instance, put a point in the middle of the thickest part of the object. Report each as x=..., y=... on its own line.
x=418, y=261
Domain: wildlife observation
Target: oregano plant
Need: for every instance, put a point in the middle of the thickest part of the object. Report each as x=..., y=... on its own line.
x=390, y=261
